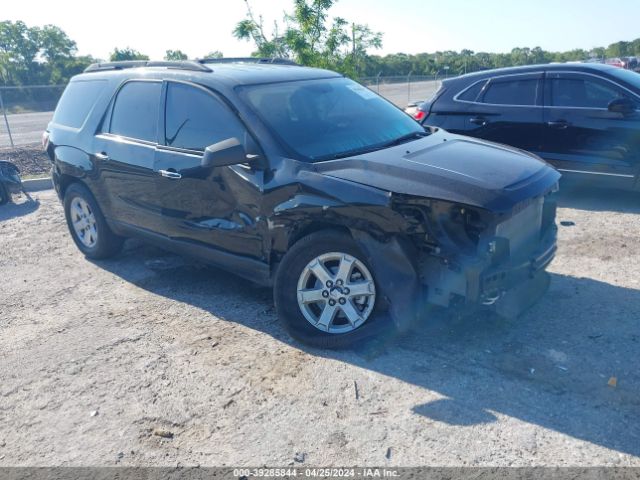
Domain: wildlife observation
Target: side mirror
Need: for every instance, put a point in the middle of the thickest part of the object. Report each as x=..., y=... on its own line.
x=226, y=152
x=622, y=105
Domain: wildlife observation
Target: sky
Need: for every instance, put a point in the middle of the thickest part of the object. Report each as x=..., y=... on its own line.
x=409, y=26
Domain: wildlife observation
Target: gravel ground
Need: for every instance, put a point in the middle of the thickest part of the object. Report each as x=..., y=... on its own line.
x=30, y=159
x=148, y=359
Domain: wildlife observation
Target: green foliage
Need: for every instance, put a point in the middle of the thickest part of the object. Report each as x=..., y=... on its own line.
x=469, y=61
x=175, y=55
x=309, y=38
x=32, y=55
x=307, y=34
x=214, y=54
x=128, y=53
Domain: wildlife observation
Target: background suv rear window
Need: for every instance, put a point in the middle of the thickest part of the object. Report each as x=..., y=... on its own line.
x=135, y=113
x=77, y=101
x=512, y=92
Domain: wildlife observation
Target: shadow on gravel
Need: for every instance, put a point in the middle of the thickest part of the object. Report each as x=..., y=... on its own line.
x=12, y=210
x=550, y=368
x=454, y=412
x=583, y=197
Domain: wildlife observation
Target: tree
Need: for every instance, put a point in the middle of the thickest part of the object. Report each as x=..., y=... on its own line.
x=618, y=49
x=127, y=53
x=19, y=46
x=55, y=45
x=214, y=54
x=175, y=55
x=310, y=39
x=59, y=52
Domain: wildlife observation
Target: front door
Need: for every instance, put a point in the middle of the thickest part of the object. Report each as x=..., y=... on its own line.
x=582, y=136
x=125, y=154
x=214, y=206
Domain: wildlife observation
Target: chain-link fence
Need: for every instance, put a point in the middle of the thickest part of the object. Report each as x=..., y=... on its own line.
x=26, y=111
x=404, y=89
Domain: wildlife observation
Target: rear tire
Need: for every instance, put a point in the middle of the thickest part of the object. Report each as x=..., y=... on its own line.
x=352, y=314
x=87, y=225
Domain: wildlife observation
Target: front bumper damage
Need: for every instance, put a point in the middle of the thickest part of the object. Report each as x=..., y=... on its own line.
x=483, y=281
x=505, y=271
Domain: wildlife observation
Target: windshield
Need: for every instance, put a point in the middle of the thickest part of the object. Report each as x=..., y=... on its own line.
x=628, y=76
x=330, y=118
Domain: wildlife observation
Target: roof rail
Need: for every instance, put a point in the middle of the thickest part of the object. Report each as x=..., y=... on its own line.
x=275, y=61
x=181, y=65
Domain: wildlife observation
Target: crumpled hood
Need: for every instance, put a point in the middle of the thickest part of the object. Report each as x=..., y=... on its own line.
x=450, y=167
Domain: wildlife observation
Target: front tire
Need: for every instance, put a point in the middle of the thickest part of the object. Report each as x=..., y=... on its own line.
x=326, y=294
x=87, y=225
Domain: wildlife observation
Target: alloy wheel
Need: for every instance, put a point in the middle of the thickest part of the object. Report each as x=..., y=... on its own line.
x=84, y=222
x=336, y=292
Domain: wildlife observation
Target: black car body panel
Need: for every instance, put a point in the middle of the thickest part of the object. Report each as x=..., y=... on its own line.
x=436, y=211
x=453, y=168
x=561, y=112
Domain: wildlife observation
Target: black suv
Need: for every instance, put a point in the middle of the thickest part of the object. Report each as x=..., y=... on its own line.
x=301, y=179
x=582, y=118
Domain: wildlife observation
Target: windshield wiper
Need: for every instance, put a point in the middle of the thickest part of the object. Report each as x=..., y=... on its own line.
x=357, y=151
x=406, y=138
x=360, y=151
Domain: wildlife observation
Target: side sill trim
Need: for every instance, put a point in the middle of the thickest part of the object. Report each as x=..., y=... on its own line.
x=248, y=268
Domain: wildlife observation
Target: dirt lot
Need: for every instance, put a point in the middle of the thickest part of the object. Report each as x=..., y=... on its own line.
x=30, y=159
x=101, y=362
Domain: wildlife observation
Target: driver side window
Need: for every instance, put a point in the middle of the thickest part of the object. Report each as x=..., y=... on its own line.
x=195, y=118
x=583, y=92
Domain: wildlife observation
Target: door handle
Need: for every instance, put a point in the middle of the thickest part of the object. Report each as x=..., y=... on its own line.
x=560, y=124
x=170, y=174
x=479, y=121
x=101, y=156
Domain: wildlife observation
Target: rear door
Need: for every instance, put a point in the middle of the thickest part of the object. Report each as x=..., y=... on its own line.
x=216, y=206
x=582, y=136
x=508, y=109
x=125, y=154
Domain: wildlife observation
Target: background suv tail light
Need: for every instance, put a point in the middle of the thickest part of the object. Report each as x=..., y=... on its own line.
x=45, y=140
x=420, y=115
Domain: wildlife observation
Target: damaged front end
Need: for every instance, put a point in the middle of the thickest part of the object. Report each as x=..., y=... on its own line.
x=461, y=256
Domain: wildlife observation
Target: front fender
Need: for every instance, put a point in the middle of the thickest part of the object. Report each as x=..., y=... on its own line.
x=393, y=263
x=317, y=200
x=305, y=213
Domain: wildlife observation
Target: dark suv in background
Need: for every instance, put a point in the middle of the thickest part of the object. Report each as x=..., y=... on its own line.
x=301, y=179
x=581, y=118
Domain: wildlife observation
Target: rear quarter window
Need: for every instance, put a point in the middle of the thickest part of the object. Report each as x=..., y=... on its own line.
x=471, y=94
x=77, y=101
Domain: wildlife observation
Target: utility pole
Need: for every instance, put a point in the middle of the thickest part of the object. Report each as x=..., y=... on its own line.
x=6, y=120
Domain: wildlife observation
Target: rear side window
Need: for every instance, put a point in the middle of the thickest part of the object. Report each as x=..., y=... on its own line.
x=583, y=92
x=512, y=92
x=135, y=112
x=472, y=93
x=196, y=119
x=77, y=101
